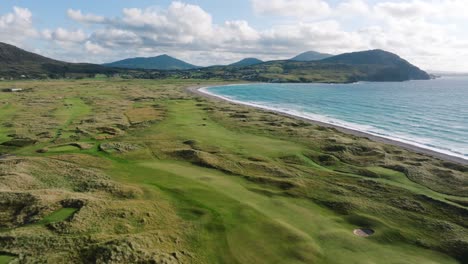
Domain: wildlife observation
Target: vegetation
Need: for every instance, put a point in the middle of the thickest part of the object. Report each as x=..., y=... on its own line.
x=246, y=62
x=144, y=172
x=311, y=56
x=16, y=63
x=60, y=215
x=162, y=62
x=381, y=65
x=375, y=65
x=5, y=259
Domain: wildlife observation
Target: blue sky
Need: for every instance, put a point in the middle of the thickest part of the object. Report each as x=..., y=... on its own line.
x=55, y=10
x=433, y=34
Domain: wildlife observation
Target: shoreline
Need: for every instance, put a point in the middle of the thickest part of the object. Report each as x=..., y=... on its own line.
x=432, y=153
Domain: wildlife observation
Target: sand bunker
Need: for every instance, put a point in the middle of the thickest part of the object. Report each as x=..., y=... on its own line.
x=363, y=232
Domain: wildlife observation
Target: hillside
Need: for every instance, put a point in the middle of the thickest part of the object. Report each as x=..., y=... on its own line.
x=246, y=62
x=372, y=65
x=13, y=55
x=380, y=65
x=360, y=66
x=311, y=56
x=162, y=62
x=18, y=63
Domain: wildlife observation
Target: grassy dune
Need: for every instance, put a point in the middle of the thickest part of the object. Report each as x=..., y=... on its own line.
x=118, y=171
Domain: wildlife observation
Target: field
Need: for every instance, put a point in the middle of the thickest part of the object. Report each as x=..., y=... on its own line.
x=140, y=171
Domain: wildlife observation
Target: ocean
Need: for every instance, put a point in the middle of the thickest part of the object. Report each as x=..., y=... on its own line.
x=429, y=114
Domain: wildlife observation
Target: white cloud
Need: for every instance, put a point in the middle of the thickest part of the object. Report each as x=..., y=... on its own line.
x=65, y=36
x=181, y=22
x=429, y=9
x=428, y=33
x=351, y=8
x=292, y=8
x=238, y=31
x=324, y=36
x=116, y=37
x=189, y=31
x=17, y=26
x=405, y=9
x=94, y=48
x=180, y=25
x=85, y=18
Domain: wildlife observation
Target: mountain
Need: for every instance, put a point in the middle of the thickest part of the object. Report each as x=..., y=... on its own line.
x=246, y=62
x=18, y=63
x=372, y=65
x=162, y=62
x=380, y=65
x=311, y=56
x=15, y=55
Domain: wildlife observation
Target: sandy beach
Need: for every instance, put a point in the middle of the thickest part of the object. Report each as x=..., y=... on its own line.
x=196, y=90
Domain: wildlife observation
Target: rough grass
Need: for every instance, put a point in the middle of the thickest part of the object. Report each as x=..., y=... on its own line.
x=167, y=177
x=5, y=259
x=7, y=109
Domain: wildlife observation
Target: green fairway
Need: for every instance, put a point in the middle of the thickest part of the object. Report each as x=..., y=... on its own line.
x=142, y=171
x=5, y=259
x=71, y=109
x=61, y=214
x=290, y=230
x=6, y=113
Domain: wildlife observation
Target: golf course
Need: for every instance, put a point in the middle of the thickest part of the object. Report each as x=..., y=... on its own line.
x=111, y=170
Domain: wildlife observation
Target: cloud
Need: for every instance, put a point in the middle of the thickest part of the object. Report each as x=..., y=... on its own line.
x=321, y=36
x=429, y=33
x=292, y=8
x=188, y=30
x=94, y=48
x=238, y=31
x=17, y=26
x=65, y=36
x=351, y=8
x=405, y=9
x=430, y=9
x=85, y=18
x=180, y=23
x=113, y=38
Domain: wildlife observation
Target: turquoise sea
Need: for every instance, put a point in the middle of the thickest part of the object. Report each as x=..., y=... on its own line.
x=431, y=114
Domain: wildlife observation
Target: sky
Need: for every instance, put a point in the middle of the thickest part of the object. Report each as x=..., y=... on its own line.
x=432, y=34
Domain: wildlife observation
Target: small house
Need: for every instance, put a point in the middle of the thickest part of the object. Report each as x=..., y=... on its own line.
x=12, y=90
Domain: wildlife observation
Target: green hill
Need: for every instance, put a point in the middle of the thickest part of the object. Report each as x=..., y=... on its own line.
x=373, y=65
x=246, y=62
x=311, y=56
x=162, y=62
x=18, y=63
x=380, y=65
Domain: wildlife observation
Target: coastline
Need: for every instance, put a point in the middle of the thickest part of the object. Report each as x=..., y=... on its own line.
x=196, y=90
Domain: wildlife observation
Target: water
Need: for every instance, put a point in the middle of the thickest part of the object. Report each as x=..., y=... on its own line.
x=430, y=114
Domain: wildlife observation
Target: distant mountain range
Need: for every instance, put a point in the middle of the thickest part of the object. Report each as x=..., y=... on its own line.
x=18, y=63
x=166, y=62
x=311, y=56
x=372, y=65
x=162, y=62
x=246, y=62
